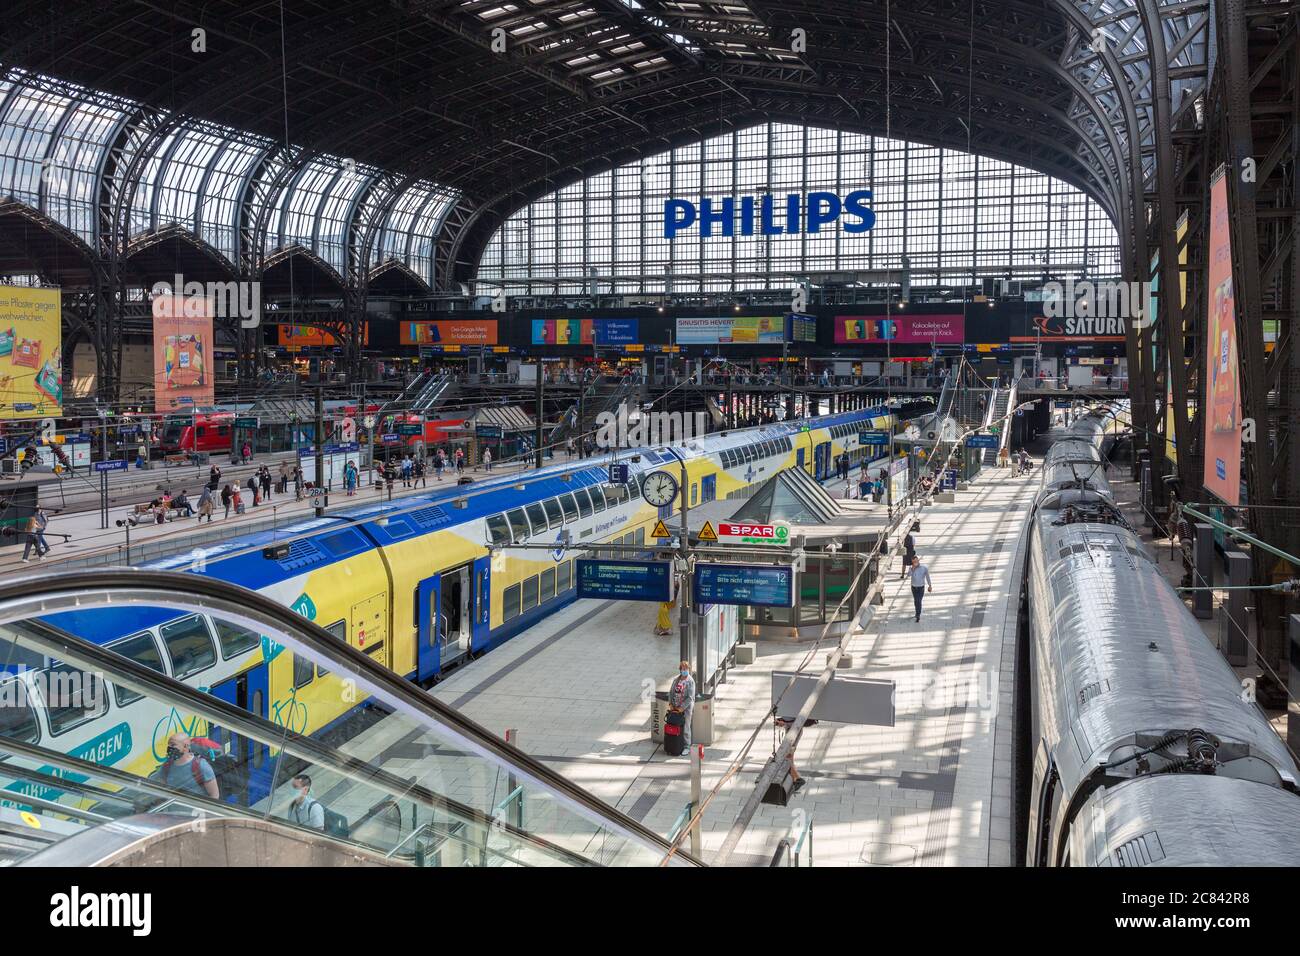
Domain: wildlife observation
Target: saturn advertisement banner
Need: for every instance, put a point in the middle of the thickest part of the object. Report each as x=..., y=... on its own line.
x=31, y=352
x=900, y=329
x=450, y=332
x=1223, y=385
x=182, y=352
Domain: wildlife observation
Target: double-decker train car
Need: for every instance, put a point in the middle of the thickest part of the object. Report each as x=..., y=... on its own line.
x=1144, y=747
x=419, y=584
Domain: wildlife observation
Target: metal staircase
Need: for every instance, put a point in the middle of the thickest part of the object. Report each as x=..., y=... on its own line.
x=604, y=395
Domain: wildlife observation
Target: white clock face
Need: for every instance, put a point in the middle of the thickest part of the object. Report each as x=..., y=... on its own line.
x=659, y=488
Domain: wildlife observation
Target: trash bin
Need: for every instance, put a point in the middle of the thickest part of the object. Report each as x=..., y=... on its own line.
x=658, y=708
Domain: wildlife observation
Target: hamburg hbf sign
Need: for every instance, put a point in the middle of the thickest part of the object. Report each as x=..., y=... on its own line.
x=769, y=215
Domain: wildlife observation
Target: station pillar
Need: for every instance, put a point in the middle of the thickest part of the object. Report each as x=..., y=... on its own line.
x=1203, y=563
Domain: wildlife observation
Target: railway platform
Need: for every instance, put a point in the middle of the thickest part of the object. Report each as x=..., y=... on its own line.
x=934, y=789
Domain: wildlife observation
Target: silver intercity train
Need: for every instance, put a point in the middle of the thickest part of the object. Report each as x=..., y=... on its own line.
x=1146, y=750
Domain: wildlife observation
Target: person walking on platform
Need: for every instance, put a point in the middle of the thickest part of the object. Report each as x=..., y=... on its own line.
x=419, y=476
x=681, y=699
x=909, y=548
x=214, y=478
x=920, y=582
x=865, y=488
x=226, y=495
x=35, y=530
x=205, y=504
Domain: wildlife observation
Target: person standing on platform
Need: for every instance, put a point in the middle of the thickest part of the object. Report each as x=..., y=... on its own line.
x=419, y=476
x=681, y=698
x=297, y=482
x=487, y=459
x=284, y=478
x=865, y=488
x=266, y=483
x=226, y=495
x=214, y=478
x=920, y=582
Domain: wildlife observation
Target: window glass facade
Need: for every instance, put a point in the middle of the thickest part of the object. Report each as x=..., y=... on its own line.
x=941, y=212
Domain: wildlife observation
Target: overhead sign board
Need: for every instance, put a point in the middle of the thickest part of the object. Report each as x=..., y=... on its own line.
x=410, y=428
x=625, y=580
x=873, y=438
x=757, y=585
x=618, y=474
x=110, y=466
x=982, y=441
x=246, y=422
x=755, y=533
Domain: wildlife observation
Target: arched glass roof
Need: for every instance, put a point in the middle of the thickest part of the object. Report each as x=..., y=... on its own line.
x=55, y=138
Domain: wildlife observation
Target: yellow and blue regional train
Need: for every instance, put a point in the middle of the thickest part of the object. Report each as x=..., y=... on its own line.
x=412, y=583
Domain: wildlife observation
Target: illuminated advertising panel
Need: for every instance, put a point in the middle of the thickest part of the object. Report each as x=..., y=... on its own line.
x=731, y=330
x=585, y=331
x=1222, y=376
x=450, y=332
x=31, y=352
x=899, y=329
x=182, y=352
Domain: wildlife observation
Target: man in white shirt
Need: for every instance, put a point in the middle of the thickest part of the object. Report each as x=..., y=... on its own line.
x=920, y=582
x=305, y=810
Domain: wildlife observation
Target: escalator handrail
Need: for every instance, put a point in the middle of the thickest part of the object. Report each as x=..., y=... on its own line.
x=235, y=601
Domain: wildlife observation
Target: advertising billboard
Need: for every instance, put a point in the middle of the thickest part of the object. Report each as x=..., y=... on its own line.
x=731, y=330
x=1222, y=378
x=899, y=329
x=182, y=352
x=299, y=336
x=585, y=331
x=450, y=332
x=31, y=352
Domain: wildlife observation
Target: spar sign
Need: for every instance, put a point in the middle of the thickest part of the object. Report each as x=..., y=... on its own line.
x=777, y=534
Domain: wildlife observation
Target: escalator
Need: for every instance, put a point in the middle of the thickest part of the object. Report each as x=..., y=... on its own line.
x=123, y=674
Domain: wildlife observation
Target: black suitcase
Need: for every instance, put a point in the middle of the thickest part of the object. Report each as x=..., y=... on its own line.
x=674, y=739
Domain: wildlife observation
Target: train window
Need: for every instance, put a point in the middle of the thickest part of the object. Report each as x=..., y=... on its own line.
x=597, y=497
x=201, y=431
x=189, y=646
x=223, y=430
x=537, y=515
x=259, y=750
x=548, y=585
x=640, y=536
x=518, y=523
x=235, y=639
x=338, y=629
x=584, y=502
x=564, y=576
x=529, y=594
x=303, y=671
x=633, y=489
x=498, y=530
x=554, y=516
x=570, y=507
x=695, y=495
x=72, y=697
x=510, y=603
x=18, y=720
x=142, y=649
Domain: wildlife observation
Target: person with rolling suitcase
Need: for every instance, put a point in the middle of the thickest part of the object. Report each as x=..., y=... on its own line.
x=677, y=722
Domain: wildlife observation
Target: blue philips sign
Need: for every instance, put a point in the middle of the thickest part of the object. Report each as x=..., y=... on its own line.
x=625, y=580
x=768, y=215
x=763, y=585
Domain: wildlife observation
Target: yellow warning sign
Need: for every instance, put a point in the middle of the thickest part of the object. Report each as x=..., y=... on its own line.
x=660, y=531
x=707, y=533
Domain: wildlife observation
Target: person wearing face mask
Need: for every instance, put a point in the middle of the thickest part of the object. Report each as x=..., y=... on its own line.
x=186, y=771
x=681, y=698
x=305, y=810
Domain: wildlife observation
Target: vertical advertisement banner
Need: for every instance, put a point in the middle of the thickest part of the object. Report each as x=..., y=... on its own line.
x=1222, y=376
x=182, y=352
x=31, y=352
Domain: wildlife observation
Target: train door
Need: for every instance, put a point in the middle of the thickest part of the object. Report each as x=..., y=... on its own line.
x=800, y=458
x=822, y=461
x=482, y=603
x=368, y=630
x=454, y=619
x=428, y=602
x=246, y=691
